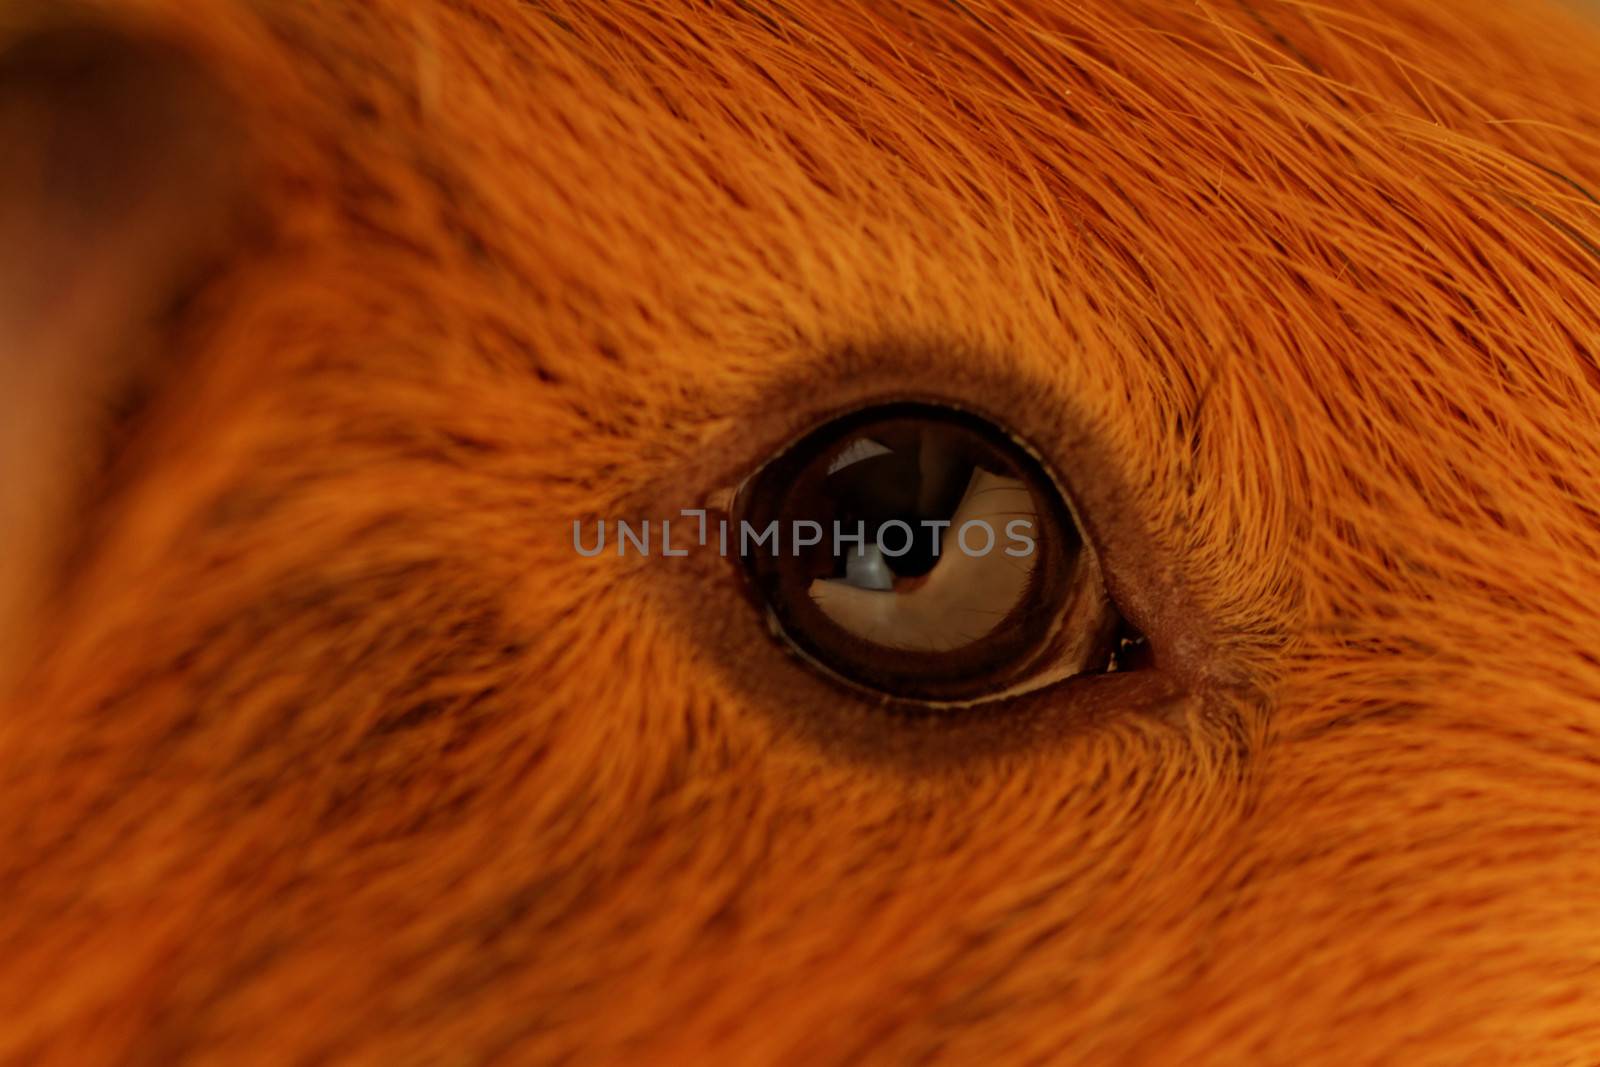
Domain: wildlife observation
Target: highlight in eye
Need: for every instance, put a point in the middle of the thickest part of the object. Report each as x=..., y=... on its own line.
x=923, y=553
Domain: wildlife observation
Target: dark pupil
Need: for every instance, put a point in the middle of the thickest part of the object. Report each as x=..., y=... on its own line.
x=923, y=478
x=908, y=470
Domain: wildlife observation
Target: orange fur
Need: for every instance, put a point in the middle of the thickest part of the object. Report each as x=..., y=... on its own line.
x=325, y=746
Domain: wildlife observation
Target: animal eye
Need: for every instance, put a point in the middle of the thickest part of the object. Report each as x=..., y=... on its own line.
x=921, y=552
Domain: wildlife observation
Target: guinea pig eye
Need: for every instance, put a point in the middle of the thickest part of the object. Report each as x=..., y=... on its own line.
x=920, y=552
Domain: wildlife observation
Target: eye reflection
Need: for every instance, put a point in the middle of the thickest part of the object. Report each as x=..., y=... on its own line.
x=937, y=600
x=926, y=555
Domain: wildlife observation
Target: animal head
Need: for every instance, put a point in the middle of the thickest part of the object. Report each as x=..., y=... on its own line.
x=324, y=323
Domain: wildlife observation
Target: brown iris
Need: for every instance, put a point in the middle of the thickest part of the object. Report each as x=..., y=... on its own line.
x=918, y=551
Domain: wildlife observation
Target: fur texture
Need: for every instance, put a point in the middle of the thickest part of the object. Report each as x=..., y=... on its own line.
x=323, y=744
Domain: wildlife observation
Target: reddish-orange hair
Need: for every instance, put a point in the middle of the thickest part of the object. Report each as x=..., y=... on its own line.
x=322, y=745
